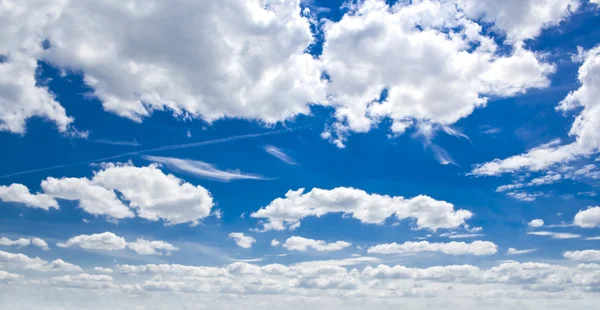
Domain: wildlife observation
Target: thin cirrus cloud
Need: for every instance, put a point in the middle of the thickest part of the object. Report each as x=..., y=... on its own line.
x=279, y=154
x=202, y=169
x=555, y=235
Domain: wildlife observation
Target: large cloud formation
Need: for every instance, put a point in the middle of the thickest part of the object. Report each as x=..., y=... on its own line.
x=249, y=59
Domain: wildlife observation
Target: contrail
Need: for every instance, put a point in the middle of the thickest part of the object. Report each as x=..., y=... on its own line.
x=161, y=148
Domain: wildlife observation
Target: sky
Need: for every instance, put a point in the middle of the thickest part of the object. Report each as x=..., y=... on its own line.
x=287, y=154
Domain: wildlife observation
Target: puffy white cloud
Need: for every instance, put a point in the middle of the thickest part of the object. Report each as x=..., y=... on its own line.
x=202, y=169
x=367, y=208
x=7, y=276
x=93, y=198
x=536, y=223
x=236, y=59
x=554, y=235
x=103, y=270
x=19, y=193
x=513, y=251
x=147, y=190
x=296, y=243
x=155, y=195
x=585, y=128
x=588, y=218
x=147, y=247
x=275, y=242
x=585, y=255
x=21, y=242
x=451, y=248
x=520, y=19
x=279, y=154
x=25, y=262
x=20, y=96
x=242, y=240
x=40, y=243
x=106, y=241
x=434, y=62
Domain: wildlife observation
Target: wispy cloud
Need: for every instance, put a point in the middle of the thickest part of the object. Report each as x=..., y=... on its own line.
x=279, y=154
x=513, y=251
x=156, y=149
x=554, y=235
x=202, y=169
x=111, y=142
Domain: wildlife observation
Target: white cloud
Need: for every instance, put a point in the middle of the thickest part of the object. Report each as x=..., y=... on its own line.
x=585, y=128
x=554, y=235
x=23, y=261
x=450, y=248
x=202, y=169
x=108, y=241
x=536, y=223
x=103, y=270
x=21, y=242
x=19, y=193
x=7, y=276
x=147, y=190
x=279, y=154
x=588, y=218
x=84, y=280
x=435, y=64
x=105, y=241
x=242, y=240
x=147, y=247
x=454, y=235
x=520, y=19
x=245, y=61
x=93, y=198
x=275, y=242
x=367, y=208
x=586, y=255
x=296, y=243
x=513, y=251
x=523, y=196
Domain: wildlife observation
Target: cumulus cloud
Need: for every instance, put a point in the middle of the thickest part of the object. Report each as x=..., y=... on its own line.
x=21, y=242
x=585, y=255
x=536, y=223
x=105, y=241
x=296, y=243
x=429, y=58
x=147, y=247
x=275, y=242
x=555, y=235
x=19, y=193
x=7, y=276
x=23, y=261
x=588, y=218
x=367, y=208
x=451, y=248
x=513, y=251
x=108, y=241
x=242, y=240
x=202, y=169
x=279, y=154
x=585, y=129
x=152, y=194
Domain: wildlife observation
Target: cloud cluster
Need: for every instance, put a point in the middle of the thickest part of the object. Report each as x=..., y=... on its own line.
x=152, y=194
x=427, y=212
x=108, y=241
x=296, y=243
x=249, y=59
x=22, y=261
x=451, y=248
x=21, y=242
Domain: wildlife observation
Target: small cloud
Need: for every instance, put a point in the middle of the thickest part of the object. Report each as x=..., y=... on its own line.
x=513, y=251
x=279, y=154
x=275, y=242
x=189, y=134
x=202, y=169
x=242, y=240
x=554, y=235
x=536, y=223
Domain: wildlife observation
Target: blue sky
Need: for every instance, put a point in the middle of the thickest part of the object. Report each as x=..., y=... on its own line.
x=460, y=135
